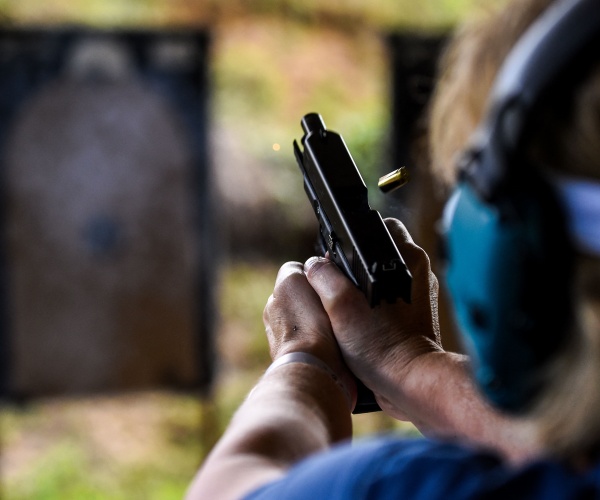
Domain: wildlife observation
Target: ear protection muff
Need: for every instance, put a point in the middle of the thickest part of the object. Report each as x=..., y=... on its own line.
x=506, y=244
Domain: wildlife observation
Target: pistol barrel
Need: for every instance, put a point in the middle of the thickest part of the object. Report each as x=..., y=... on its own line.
x=312, y=122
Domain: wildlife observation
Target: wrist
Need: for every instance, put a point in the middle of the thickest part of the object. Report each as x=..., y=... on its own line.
x=391, y=369
x=427, y=391
x=343, y=379
x=406, y=388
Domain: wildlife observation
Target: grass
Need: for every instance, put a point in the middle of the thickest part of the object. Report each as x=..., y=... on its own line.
x=144, y=445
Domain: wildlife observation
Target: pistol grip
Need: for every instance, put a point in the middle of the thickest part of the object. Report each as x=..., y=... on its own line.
x=365, y=401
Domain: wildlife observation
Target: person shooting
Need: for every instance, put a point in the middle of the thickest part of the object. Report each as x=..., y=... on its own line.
x=514, y=131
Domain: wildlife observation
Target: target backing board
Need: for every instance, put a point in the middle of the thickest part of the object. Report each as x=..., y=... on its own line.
x=106, y=237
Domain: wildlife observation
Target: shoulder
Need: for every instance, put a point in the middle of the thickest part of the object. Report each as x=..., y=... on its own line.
x=386, y=468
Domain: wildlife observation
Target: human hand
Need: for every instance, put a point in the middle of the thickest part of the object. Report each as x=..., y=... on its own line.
x=295, y=320
x=386, y=339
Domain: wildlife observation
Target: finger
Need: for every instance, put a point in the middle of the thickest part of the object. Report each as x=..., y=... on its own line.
x=288, y=269
x=293, y=301
x=330, y=284
x=398, y=231
x=414, y=256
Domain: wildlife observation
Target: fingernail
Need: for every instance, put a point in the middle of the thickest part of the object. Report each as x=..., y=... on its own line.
x=314, y=263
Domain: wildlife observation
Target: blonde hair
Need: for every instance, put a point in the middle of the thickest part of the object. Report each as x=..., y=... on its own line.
x=566, y=414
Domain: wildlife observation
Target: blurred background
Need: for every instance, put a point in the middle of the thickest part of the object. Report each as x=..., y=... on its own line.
x=150, y=195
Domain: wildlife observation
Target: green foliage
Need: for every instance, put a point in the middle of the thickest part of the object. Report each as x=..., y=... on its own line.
x=66, y=472
x=130, y=447
x=244, y=293
x=59, y=474
x=344, y=13
x=366, y=139
x=246, y=84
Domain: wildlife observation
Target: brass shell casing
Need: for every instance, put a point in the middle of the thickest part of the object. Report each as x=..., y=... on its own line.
x=394, y=180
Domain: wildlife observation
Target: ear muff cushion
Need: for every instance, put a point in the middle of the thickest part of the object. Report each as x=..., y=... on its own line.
x=507, y=279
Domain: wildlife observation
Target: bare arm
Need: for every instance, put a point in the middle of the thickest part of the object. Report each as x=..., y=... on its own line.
x=395, y=350
x=295, y=410
x=438, y=395
x=298, y=409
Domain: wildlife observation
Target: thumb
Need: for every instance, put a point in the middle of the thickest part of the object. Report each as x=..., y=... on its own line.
x=333, y=287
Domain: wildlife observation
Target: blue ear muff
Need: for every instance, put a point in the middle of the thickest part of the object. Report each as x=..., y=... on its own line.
x=509, y=259
x=507, y=273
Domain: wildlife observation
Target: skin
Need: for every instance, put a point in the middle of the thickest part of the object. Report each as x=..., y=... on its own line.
x=297, y=409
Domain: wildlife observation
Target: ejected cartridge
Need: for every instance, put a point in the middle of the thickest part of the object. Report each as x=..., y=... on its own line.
x=393, y=180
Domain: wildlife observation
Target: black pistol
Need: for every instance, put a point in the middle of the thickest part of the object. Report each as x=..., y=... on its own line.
x=354, y=234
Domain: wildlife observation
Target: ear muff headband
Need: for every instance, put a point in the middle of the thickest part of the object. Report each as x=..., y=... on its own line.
x=546, y=49
x=507, y=246
x=581, y=201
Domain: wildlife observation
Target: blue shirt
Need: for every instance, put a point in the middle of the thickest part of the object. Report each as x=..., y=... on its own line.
x=391, y=468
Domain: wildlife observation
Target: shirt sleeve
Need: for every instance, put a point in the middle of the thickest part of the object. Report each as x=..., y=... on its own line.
x=391, y=468
x=378, y=468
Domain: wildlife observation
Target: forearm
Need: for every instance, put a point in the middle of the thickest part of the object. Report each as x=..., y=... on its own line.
x=293, y=412
x=437, y=394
